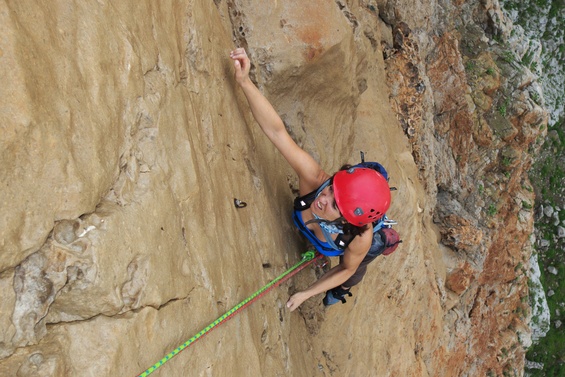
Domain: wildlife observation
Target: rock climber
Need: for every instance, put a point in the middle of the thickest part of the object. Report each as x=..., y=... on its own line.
x=334, y=212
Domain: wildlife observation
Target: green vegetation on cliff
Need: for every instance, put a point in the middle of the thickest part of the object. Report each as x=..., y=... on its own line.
x=548, y=178
x=544, y=20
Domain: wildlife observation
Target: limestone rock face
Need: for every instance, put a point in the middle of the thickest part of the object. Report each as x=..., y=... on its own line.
x=459, y=280
x=125, y=141
x=480, y=120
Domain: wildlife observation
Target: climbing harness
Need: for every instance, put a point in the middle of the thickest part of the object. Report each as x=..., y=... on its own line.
x=307, y=258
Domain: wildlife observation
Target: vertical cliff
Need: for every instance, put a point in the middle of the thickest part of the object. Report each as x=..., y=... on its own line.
x=474, y=115
x=125, y=141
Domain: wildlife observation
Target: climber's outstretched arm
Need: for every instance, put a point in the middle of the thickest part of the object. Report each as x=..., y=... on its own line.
x=310, y=173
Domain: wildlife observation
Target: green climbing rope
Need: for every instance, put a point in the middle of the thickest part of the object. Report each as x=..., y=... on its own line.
x=307, y=258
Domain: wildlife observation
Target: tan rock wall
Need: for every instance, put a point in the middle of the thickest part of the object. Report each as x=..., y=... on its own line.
x=126, y=142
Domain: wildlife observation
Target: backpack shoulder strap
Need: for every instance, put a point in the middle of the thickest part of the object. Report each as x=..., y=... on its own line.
x=305, y=201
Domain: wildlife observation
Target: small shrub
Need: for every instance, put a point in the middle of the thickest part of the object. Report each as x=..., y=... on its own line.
x=470, y=65
x=508, y=57
x=491, y=211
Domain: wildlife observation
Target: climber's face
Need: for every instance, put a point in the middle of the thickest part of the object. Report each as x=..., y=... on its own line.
x=324, y=206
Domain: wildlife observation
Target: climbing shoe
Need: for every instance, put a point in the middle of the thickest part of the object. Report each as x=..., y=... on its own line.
x=333, y=296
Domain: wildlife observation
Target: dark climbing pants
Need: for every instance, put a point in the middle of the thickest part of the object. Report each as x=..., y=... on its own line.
x=361, y=270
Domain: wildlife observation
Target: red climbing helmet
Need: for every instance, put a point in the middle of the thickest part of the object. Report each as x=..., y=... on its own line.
x=362, y=195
